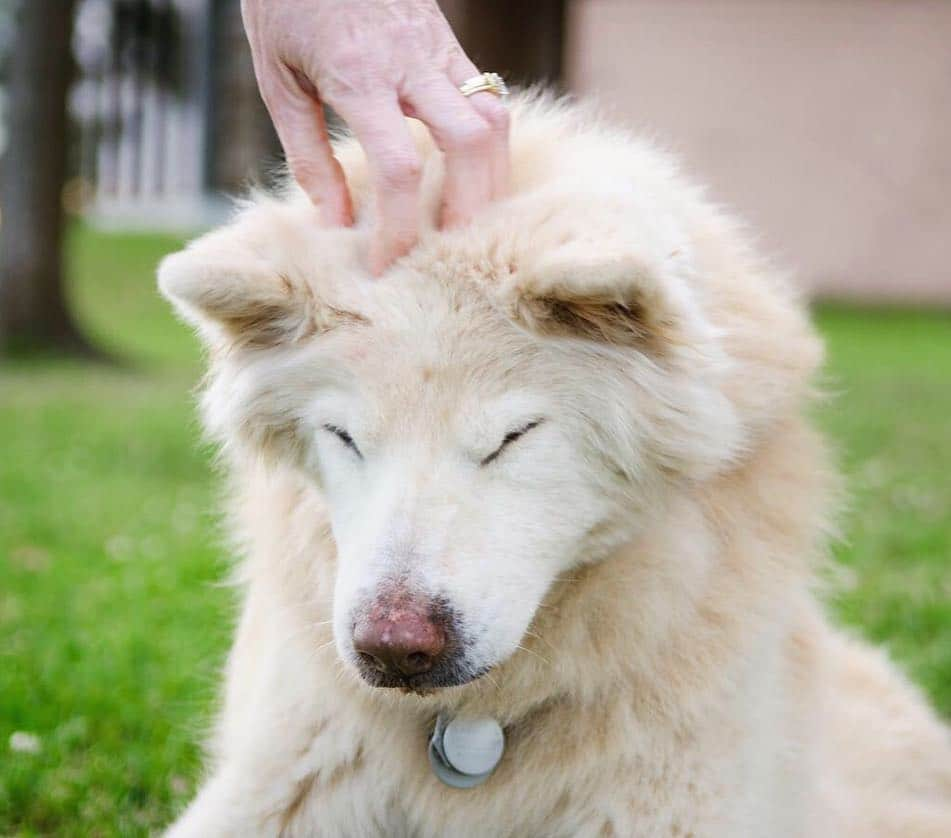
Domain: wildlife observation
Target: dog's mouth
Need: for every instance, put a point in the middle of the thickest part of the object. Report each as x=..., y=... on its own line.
x=447, y=674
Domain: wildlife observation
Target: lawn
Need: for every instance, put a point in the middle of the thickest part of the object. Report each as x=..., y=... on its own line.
x=112, y=619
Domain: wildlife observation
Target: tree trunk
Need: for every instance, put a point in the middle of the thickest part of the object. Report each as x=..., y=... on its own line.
x=33, y=310
x=524, y=42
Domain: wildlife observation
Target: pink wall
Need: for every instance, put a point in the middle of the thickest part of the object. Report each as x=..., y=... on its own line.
x=826, y=123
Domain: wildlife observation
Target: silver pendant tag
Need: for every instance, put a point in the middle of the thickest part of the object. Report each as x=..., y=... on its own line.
x=464, y=751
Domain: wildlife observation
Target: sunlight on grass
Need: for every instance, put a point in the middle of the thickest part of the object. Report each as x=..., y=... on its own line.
x=113, y=623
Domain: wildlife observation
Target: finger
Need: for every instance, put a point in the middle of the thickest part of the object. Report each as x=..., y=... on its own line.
x=492, y=109
x=465, y=139
x=299, y=121
x=395, y=170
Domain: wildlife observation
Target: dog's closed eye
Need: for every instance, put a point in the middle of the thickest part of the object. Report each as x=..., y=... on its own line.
x=508, y=439
x=344, y=437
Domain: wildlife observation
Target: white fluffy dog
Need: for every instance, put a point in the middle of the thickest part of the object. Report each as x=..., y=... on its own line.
x=551, y=471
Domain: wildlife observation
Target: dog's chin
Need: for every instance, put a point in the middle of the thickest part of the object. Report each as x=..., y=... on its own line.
x=442, y=677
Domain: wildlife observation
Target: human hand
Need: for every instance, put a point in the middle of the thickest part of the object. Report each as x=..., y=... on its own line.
x=373, y=61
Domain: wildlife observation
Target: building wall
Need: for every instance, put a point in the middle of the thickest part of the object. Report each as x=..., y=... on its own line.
x=826, y=123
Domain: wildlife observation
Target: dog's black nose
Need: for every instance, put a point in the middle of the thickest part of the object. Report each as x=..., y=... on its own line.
x=399, y=639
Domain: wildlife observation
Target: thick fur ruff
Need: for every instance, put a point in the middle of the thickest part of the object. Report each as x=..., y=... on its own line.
x=636, y=573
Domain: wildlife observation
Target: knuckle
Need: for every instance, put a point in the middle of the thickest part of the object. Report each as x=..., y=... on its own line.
x=274, y=92
x=349, y=62
x=471, y=135
x=400, y=172
x=410, y=30
x=285, y=101
x=496, y=116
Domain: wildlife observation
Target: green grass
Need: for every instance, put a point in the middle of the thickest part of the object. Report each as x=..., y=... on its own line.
x=112, y=621
x=890, y=376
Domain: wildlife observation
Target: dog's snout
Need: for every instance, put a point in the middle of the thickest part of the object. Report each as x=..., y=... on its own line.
x=400, y=640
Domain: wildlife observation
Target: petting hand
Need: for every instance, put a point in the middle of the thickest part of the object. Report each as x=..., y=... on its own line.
x=373, y=61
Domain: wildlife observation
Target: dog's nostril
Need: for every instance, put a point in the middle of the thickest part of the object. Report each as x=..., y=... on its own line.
x=416, y=662
x=372, y=661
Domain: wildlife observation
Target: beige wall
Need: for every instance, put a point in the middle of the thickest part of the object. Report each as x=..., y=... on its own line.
x=826, y=123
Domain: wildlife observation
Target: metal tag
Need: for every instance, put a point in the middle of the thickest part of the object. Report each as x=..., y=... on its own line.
x=464, y=751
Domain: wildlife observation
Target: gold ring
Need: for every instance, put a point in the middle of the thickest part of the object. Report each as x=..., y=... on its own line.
x=488, y=82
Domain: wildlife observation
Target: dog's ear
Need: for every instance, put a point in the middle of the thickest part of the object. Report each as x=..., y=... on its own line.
x=238, y=299
x=241, y=285
x=612, y=293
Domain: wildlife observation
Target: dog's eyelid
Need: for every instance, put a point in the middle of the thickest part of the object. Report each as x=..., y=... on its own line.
x=512, y=435
x=344, y=436
x=509, y=438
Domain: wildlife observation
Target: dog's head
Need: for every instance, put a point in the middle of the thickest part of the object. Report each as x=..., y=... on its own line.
x=507, y=403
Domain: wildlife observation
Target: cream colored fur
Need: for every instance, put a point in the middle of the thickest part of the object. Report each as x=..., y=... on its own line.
x=673, y=675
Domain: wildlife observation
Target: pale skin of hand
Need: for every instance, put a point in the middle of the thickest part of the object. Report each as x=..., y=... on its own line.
x=374, y=61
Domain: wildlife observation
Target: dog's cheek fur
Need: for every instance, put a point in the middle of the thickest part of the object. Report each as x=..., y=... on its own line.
x=255, y=403
x=666, y=415
x=248, y=414
x=648, y=426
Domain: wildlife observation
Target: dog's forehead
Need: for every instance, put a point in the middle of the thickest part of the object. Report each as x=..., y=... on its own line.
x=426, y=337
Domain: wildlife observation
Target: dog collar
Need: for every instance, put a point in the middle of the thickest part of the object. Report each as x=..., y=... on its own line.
x=464, y=751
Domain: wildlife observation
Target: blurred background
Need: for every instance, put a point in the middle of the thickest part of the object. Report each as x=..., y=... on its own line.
x=124, y=127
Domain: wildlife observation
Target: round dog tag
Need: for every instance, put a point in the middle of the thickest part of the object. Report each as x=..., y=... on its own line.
x=463, y=752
